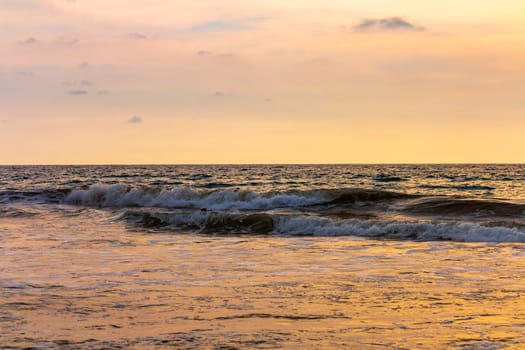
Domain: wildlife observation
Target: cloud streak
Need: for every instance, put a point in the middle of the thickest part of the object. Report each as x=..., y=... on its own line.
x=135, y=120
x=137, y=36
x=77, y=92
x=386, y=24
x=29, y=41
x=204, y=53
x=78, y=83
x=226, y=25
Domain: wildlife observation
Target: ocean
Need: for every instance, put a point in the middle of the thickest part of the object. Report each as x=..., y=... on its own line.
x=262, y=256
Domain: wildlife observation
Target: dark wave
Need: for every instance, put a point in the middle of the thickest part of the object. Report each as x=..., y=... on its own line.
x=459, y=187
x=212, y=223
x=52, y=196
x=388, y=178
x=352, y=196
x=215, y=185
x=464, y=207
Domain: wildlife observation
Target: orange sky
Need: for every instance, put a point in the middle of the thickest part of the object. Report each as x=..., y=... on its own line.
x=131, y=81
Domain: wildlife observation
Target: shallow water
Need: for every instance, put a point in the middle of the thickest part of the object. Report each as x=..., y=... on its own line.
x=367, y=271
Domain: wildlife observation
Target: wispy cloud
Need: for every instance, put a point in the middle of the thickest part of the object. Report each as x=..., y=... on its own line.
x=137, y=36
x=135, y=120
x=386, y=24
x=87, y=66
x=77, y=92
x=227, y=25
x=204, y=53
x=29, y=41
x=78, y=83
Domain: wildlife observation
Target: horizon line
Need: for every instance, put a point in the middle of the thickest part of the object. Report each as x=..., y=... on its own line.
x=245, y=164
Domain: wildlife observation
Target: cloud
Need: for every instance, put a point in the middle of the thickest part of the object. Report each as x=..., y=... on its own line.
x=81, y=87
x=220, y=94
x=73, y=83
x=204, y=53
x=385, y=24
x=89, y=66
x=77, y=92
x=84, y=65
x=29, y=41
x=137, y=36
x=135, y=120
x=226, y=25
x=25, y=74
x=216, y=26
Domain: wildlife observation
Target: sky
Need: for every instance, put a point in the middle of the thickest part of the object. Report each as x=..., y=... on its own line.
x=310, y=81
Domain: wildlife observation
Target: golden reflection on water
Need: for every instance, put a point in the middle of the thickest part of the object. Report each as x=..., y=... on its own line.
x=104, y=286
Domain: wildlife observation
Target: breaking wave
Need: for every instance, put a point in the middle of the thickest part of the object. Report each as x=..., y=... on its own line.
x=311, y=225
x=120, y=196
x=183, y=197
x=323, y=212
x=343, y=202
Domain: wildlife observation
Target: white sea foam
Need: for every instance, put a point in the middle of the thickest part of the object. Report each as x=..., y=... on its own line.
x=426, y=231
x=120, y=195
x=309, y=225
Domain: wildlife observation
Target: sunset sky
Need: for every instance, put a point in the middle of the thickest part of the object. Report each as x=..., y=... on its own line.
x=169, y=81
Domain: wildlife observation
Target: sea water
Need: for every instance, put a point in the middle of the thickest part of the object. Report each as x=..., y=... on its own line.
x=262, y=256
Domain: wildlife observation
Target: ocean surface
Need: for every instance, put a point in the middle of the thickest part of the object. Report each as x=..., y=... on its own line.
x=419, y=202
x=262, y=256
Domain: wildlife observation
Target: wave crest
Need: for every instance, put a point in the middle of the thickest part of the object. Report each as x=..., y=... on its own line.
x=464, y=207
x=309, y=225
x=120, y=195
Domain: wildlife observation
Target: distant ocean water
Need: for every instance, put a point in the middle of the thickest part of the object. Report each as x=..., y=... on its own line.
x=416, y=202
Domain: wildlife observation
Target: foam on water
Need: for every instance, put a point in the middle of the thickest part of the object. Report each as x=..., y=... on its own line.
x=423, y=231
x=311, y=225
x=120, y=195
